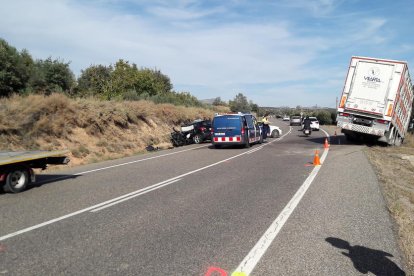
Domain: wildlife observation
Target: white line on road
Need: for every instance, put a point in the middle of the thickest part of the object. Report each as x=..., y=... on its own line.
x=137, y=161
x=254, y=150
x=256, y=253
x=138, y=193
x=152, y=187
x=118, y=165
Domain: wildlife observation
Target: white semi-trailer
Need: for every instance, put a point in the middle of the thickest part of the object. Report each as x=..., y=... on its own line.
x=377, y=100
x=16, y=167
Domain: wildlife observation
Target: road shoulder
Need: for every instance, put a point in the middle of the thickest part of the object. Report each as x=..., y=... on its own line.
x=341, y=226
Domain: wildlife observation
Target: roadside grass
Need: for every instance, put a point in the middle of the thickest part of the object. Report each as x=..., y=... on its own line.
x=93, y=130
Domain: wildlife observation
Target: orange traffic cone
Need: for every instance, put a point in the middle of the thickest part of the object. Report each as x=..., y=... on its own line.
x=326, y=145
x=316, y=160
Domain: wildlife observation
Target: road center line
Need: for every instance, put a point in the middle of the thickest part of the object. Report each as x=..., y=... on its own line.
x=152, y=188
x=118, y=165
x=143, y=191
x=260, y=248
x=137, y=161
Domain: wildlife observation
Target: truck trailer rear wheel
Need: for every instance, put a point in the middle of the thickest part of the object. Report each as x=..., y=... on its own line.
x=16, y=181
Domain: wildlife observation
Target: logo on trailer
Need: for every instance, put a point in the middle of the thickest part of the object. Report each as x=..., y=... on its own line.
x=373, y=73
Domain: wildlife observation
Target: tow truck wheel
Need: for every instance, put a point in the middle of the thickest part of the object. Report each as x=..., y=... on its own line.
x=16, y=181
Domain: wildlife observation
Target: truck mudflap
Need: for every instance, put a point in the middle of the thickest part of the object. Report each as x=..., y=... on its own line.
x=362, y=129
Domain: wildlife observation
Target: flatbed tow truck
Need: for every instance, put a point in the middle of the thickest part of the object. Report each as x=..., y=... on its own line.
x=16, y=167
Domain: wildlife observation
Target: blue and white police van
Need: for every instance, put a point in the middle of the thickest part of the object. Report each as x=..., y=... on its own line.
x=235, y=129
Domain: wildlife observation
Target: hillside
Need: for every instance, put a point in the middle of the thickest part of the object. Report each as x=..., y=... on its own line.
x=92, y=130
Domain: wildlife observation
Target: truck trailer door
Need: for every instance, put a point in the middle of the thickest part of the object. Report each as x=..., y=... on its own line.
x=370, y=87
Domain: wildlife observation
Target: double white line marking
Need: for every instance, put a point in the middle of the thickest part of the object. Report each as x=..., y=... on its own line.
x=136, y=193
x=111, y=202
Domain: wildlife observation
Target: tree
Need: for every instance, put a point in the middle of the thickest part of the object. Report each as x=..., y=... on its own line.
x=124, y=80
x=51, y=76
x=240, y=104
x=217, y=101
x=92, y=80
x=324, y=117
x=15, y=69
x=255, y=108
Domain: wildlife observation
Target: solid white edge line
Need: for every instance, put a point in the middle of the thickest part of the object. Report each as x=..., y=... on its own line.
x=260, y=248
x=28, y=229
x=135, y=195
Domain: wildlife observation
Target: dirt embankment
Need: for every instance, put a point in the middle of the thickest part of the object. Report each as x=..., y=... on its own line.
x=395, y=170
x=92, y=130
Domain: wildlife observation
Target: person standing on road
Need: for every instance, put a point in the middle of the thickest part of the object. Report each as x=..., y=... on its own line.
x=266, y=127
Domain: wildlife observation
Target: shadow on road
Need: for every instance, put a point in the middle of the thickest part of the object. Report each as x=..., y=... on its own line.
x=43, y=179
x=340, y=139
x=366, y=259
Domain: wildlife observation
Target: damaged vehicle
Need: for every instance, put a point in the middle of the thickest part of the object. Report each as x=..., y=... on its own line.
x=195, y=132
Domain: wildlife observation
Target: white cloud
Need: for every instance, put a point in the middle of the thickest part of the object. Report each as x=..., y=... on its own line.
x=317, y=8
x=213, y=59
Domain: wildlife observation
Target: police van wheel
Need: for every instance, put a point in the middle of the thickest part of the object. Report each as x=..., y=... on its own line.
x=247, y=144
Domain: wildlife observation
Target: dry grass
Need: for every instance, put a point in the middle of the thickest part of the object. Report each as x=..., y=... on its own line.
x=92, y=130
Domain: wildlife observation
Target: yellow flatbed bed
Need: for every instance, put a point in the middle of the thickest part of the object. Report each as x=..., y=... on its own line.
x=12, y=157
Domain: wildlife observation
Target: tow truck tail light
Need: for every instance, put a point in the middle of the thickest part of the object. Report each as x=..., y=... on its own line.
x=344, y=114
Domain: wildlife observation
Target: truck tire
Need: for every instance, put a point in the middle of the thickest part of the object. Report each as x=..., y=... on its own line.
x=398, y=141
x=16, y=181
x=275, y=133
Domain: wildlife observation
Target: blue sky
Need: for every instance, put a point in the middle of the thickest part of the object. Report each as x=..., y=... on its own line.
x=277, y=53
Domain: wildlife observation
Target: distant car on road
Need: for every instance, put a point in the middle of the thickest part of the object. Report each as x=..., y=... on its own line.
x=314, y=123
x=295, y=120
x=286, y=118
x=274, y=132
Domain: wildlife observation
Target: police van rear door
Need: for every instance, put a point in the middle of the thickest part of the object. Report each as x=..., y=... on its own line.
x=227, y=126
x=254, y=131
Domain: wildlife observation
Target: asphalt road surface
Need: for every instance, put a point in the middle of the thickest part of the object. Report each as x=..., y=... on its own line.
x=197, y=210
